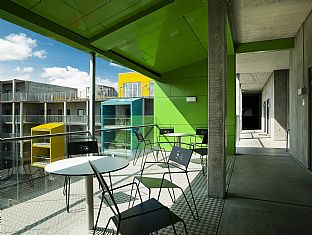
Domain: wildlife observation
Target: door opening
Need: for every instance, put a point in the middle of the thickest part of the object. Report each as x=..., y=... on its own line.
x=251, y=111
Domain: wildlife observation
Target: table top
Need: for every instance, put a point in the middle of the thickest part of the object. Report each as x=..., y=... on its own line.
x=175, y=134
x=79, y=166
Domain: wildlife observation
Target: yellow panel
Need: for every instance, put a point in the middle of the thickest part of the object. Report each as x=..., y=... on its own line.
x=133, y=77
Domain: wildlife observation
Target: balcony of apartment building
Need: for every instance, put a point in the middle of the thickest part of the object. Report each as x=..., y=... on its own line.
x=215, y=67
x=37, y=119
x=41, y=97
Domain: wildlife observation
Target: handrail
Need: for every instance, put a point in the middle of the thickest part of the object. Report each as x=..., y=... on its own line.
x=71, y=133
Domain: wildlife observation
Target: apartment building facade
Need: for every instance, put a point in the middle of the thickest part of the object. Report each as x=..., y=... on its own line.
x=25, y=104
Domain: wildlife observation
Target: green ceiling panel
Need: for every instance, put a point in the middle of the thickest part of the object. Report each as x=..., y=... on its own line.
x=171, y=36
x=27, y=3
x=85, y=6
x=57, y=11
x=199, y=69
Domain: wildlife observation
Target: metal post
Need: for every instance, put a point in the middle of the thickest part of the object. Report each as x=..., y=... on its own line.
x=45, y=112
x=89, y=179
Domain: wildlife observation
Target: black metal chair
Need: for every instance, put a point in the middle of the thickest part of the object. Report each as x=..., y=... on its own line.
x=179, y=158
x=147, y=217
x=202, y=148
x=75, y=148
x=146, y=147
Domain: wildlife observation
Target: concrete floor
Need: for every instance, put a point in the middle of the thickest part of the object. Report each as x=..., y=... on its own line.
x=257, y=142
x=267, y=195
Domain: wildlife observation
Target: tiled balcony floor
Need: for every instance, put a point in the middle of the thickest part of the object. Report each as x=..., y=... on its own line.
x=46, y=213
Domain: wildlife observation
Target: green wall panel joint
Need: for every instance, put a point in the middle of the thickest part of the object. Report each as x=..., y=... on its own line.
x=269, y=45
x=131, y=19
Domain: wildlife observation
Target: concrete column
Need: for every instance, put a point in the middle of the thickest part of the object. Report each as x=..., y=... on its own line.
x=89, y=179
x=217, y=53
x=45, y=112
x=64, y=112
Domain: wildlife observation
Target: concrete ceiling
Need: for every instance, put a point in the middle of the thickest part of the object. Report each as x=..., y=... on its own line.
x=254, y=69
x=260, y=20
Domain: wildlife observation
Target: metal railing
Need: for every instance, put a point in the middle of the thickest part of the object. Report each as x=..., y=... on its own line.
x=50, y=96
x=70, y=119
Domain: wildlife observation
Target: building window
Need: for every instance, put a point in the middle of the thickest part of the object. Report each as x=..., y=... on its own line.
x=132, y=89
x=60, y=112
x=151, y=89
x=80, y=112
x=67, y=111
x=49, y=112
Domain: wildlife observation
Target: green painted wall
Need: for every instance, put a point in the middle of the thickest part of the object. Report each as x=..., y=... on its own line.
x=170, y=106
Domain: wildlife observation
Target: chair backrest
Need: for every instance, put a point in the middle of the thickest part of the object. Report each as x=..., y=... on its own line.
x=201, y=131
x=111, y=203
x=82, y=147
x=205, y=138
x=139, y=136
x=181, y=156
x=163, y=131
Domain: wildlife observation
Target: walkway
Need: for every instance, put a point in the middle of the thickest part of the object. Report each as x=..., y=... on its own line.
x=268, y=195
x=257, y=142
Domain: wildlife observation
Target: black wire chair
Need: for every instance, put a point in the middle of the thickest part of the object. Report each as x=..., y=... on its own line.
x=147, y=217
x=202, y=149
x=147, y=147
x=78, y=147
x=179, y=158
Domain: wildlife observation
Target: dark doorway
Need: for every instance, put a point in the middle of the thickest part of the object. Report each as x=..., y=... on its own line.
x=268, y=116
x=251, y=113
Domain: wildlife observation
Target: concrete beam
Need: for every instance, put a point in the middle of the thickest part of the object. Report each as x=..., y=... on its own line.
x=217, y=59
x=269, y=45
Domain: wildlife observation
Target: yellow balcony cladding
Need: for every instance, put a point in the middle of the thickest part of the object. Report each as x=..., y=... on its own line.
x=134, y=77
x=47, y=149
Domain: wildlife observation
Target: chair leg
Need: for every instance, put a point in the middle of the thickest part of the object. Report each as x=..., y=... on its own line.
x=193, y=198
x=184, y=226
x=105, y=226
x=118, y=227
x=143, y=155
x=98, y=215
x=202, y=164
x=110, y=181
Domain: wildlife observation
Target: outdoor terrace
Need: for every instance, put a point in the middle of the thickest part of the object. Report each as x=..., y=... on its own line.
x=41, y=204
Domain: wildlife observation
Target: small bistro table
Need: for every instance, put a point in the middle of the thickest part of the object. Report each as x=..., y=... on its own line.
x=178, y=136
x=79, y=166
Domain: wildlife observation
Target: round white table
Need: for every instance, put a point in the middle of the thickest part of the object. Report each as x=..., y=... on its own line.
x=178, y=136
x=79, y=166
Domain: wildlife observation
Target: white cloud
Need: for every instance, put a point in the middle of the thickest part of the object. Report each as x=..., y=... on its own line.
x=25, y=69
x=18, y=47
x=72, y=77
x=115, y=65
x=40, y=54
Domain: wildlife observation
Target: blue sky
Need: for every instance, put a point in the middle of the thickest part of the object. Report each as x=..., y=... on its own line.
x=29, y=56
